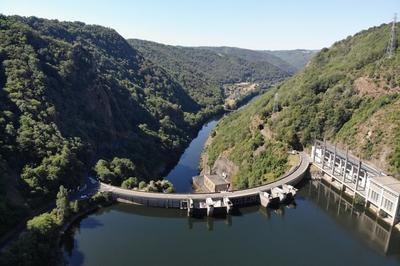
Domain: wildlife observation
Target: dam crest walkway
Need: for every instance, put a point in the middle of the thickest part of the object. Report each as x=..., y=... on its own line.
x=238, y=197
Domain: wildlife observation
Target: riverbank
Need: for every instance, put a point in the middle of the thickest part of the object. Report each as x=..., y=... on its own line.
x=189, y=163
x=42, y=234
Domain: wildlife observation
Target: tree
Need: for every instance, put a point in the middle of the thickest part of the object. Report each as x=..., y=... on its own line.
x=152, y=187
x=36, y=245
x=130, y=183
x=44, y=224
x=142, y=185
x=103, y=171
x=63, y=208
x=115, y=172
x=122, y=167
x=74, y=206
x=60, y=168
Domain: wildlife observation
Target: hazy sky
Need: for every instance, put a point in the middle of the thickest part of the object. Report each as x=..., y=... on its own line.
x=250, y=24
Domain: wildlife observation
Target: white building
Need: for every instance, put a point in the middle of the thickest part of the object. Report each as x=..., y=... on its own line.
x=380, y=191
x=383, y=192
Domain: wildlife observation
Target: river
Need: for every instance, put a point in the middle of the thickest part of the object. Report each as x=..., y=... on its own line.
x=322, y=228
x=188, y=165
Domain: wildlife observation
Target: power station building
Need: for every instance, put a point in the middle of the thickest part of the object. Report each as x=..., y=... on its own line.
x=380, y=191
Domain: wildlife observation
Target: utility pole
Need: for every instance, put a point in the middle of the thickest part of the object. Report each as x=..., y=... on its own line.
x=392, y=42
x=276, y=102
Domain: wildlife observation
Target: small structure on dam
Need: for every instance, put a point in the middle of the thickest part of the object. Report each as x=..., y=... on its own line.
x=266, y=199
x=211, y=183
x=380, y=191
x=216, y=183
x=209, y=206
x=277, y=195
x=211, y=202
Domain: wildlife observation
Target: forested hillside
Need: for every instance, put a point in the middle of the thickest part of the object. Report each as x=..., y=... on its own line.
x=287, y=60
x=73, y=93
x=349, y=94
x=297, y=58
x=203, y=71
x=253, y=56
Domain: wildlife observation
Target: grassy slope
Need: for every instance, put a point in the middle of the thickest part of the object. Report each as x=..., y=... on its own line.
x=239, y=137
x=324, y=100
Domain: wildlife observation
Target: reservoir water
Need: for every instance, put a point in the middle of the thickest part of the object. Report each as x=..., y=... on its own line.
x=323, y=227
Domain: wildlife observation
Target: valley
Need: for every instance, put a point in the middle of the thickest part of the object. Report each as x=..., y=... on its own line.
x=269, y=142
x=86, y=94
x=330, y=99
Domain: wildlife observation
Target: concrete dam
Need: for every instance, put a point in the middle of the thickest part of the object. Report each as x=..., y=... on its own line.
x=225, y=200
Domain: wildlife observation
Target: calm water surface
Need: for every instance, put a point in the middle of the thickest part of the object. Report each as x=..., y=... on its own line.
x=323, y=228
x=188, y=165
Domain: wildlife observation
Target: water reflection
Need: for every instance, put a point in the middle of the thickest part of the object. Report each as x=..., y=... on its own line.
x=322, y=219
x=338, y=205
x=379, y=235
x=188, y=165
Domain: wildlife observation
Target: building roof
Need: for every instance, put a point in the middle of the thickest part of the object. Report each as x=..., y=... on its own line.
x=216, y=179
x=388, y=181
x=351, y=158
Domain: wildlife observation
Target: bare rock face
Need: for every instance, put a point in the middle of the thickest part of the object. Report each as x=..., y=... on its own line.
x=373, y=137
x=224, y=166
x=99, y=102
x=374, y=88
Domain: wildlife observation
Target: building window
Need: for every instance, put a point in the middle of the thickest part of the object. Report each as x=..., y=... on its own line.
x=388, y=205
x=373, y=195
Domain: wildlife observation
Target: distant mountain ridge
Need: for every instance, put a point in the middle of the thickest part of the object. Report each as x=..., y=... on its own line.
x=203, y=71
x=287, y=60
x=298, y=58
x=253, y=56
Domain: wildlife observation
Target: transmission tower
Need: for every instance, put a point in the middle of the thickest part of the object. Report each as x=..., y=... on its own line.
x=276, y=103
x=392, y=41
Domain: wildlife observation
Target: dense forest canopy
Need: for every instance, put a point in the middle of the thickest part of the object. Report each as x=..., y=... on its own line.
x=72, y=90
x=73, y=93
x=290, y=61
x=77, y=97
x=297, y=58
x=348, y=94
x=203, y=71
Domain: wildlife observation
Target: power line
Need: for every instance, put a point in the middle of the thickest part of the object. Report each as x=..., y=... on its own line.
x=392, y=41
x=276, y=103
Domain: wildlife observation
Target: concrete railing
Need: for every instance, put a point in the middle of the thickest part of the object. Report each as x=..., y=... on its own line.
x=238, y=197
